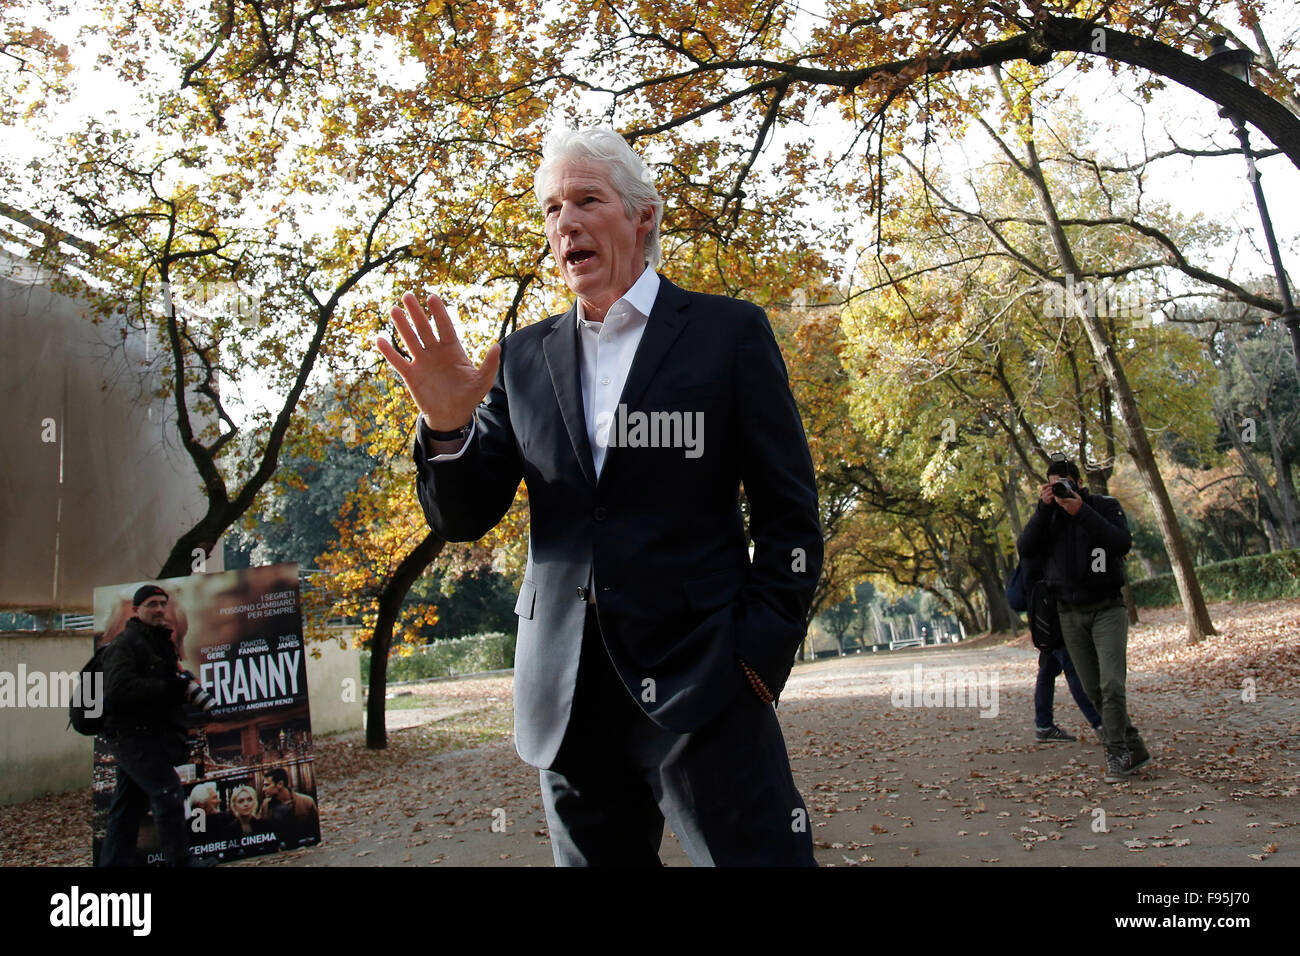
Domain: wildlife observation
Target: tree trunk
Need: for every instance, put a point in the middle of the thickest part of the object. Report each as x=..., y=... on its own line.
x=1199, y=624
x=1010, y=488
x=1286, y=492
x=1000, y=615
x=1271, y=534
x=202, y=537
x=390, y=603
x=1131, y=605
x=1274, y=500
x=958, y=603
x=967, y=613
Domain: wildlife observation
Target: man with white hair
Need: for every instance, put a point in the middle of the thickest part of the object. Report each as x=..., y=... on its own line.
x=208, y=822
x=651, y=647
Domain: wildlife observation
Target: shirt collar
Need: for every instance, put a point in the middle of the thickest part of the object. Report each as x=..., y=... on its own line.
x=641, y=297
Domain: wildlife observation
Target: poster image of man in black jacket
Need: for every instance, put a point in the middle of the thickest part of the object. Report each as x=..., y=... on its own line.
x=145, y=729
x=1082, y=539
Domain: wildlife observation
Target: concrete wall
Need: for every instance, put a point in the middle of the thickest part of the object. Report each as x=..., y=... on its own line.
x=40, y=754
x=335, y=703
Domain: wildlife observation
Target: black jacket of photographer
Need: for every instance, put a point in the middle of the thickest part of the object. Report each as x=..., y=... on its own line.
x=144, y=693
x=1068, y=545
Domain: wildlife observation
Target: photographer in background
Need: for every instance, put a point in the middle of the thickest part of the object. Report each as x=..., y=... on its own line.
x=145, y=729
x=1082, y=539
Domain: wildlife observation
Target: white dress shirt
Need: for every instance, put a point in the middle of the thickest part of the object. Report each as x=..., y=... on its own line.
x=607, y=349
x=606, y=352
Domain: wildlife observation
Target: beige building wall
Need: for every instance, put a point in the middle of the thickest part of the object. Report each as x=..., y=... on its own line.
x=40, y=754
x=334, y=682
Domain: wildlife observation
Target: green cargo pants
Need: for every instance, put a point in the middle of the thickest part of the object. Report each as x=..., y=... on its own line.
x=1096, y=635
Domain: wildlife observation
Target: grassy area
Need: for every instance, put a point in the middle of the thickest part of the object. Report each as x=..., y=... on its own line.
x=458, y=733
x=345, y=755
x=487, y=715
x=407, y=701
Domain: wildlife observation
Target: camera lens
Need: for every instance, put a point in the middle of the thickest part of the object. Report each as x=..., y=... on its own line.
x=197, y=695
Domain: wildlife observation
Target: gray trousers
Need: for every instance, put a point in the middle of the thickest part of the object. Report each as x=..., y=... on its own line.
x=725, y=789
x=1097, y=638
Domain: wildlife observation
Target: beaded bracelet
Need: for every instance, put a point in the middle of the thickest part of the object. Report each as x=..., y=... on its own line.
x=756, y=682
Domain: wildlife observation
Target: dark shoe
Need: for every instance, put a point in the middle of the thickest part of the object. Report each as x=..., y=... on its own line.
x=1052, y=734
x=1117, y=766
x=1138, y=757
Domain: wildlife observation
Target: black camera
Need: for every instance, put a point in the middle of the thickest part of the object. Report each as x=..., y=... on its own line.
x=1062, y=489
x=195, y=694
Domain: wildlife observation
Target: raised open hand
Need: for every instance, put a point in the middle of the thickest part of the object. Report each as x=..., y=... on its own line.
x=442, y=380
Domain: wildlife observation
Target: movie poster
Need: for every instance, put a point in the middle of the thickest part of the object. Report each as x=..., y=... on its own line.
x=249, y=778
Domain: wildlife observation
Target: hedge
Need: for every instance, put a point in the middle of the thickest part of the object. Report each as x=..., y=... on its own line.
x=463, y=655
x=1260, y=577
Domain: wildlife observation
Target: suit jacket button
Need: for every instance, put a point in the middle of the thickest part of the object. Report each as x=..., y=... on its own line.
x=601, y=513
x=582, y=594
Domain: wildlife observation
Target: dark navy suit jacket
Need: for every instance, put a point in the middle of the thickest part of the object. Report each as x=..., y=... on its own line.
x=660, y=533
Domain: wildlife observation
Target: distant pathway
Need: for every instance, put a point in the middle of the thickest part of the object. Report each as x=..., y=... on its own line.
x=891, y=785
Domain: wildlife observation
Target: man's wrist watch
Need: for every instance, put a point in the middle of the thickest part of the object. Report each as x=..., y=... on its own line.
x=458, y=434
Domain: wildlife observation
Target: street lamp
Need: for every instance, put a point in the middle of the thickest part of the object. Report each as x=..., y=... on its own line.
x=1236, y=63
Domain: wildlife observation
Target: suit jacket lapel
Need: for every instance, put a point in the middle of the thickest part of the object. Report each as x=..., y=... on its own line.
x=667, y=319
x=560, y=346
